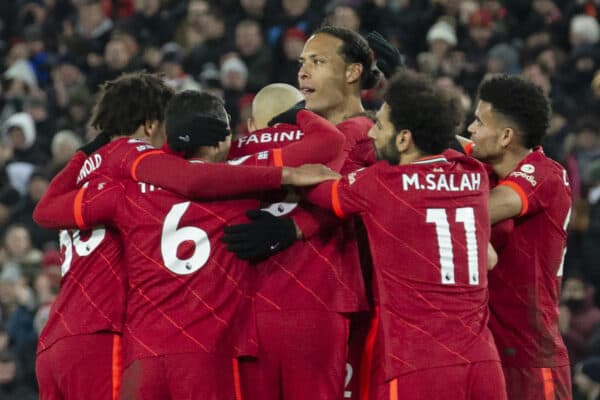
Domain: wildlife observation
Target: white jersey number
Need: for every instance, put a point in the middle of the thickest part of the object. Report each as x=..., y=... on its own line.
x=466, y=216
x=172, y=237
x=70, y=241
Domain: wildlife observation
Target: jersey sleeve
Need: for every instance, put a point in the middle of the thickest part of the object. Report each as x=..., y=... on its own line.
x=347, y=196
x=531, y=182
x=95, y=203
x=51, y=212
x=201, y=180
x=313, y=220
x=322, y=144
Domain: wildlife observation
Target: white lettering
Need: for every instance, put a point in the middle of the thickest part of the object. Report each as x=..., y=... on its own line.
x=527, y=177
x=476, y=179
x=430, y=179
x=445, y=182
x=408, y=181
x=266, y=138
x=453, y=187
x=465, y=184
x=89, y=165
x=442, y=184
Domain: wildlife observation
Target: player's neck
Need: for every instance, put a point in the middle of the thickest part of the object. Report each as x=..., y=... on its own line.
x=350, y=106
x=138, y=134
x=509, y=161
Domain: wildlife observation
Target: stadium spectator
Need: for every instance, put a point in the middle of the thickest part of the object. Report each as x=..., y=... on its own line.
x=579, y=317
x=255, y=53
x=587, y=379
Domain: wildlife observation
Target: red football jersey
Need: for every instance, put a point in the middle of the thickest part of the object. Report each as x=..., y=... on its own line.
x=187, y=293
x=93, y=285
x=428, y=230
x=359, y=149
x=265, y=139
x=524, y=286
x=321, y=272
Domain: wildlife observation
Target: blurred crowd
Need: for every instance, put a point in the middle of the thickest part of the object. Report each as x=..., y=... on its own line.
x=55, y=53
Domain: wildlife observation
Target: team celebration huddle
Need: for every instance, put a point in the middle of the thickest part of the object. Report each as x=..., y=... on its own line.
x=333, y=252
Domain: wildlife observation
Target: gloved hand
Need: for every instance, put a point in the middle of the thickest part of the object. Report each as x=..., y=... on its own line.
x=288, y=116
x=387, y=57
x=264, y=236
x=100, y=140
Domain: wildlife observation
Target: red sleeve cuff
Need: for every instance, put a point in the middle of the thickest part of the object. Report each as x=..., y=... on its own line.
x=520, y=192
x=336, y=205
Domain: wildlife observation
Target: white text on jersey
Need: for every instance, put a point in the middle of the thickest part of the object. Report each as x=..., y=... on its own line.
x=268, y=137
x=439, y=182
x=91, y=164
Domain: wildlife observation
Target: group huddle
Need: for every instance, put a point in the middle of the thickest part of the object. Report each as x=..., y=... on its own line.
x=331, y=253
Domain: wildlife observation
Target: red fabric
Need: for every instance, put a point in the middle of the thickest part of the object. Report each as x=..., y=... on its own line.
x=179, y=376
x=176, y=306
x=538, y=383
x=359, y=150
x=77, y=367
x=446, y=321
x=525, y=284
x=302, y=356
x=64, y=182
x=93, y=284
x=314, y=140
x=476, y=381
x=93, y=287
x=321, y=273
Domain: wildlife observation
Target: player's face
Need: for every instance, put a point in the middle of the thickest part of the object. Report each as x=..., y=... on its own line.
x=486, y=133
x=382, y=133
x=321, y=77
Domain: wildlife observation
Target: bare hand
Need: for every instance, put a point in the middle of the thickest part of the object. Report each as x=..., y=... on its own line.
x=307, y=175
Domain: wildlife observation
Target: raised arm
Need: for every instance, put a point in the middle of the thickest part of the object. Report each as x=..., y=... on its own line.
x=51, y=211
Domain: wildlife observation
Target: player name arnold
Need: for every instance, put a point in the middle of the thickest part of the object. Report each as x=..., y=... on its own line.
x=445, y=182
x=268, y=137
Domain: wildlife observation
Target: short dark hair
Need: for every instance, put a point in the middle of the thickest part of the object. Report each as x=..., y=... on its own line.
x=355, y=49
x=193, y=102
x=128, y=101
x=201, y=116
x=521, y=101
x=428, y=111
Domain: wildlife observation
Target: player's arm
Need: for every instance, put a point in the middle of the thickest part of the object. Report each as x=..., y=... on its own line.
x=492, y=257
x=346, y=196
x=322, y=142
x=50, y=212
x=507, y=200
x=217, y=180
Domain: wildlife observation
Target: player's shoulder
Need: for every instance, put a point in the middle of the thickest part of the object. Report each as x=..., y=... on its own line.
x=357, y=125
x=539, y=167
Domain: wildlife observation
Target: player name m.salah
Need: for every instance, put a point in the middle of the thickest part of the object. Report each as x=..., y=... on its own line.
x=442, y=182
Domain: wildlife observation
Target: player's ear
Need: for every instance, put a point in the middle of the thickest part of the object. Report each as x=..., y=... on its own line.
x=403, y=140
x=149, y=127
x=250, y=124
x=507, y=136
x=353, y=72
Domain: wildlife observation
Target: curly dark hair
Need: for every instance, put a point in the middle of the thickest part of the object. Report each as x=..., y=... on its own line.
x=522, y=102
x=128, y=101
x=355, y=49
x=428, y=111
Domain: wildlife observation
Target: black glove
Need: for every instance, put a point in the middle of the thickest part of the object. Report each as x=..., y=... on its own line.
x=261, y=238
x=288, y=116
x=100, y=140
x=387, y=57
